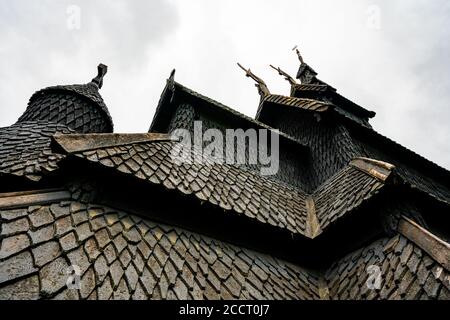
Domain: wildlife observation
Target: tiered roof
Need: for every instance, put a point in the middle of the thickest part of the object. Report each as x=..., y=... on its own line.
x=341, y=185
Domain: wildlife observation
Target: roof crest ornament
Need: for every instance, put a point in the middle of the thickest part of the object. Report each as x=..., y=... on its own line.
x=285, y=74
x=260, y=84
x=101, y=71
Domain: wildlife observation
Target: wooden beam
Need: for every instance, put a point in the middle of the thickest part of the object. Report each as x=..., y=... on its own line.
x=24, y=200
x=70, y=143
x=312, y=222
x=26, y=192
x=438, y=249
x=378, y=169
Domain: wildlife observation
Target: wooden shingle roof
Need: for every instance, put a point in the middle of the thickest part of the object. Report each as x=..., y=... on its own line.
x=25, y=149
x=233, y=189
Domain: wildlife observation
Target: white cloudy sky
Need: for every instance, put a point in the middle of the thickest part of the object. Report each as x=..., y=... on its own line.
x=400, y=70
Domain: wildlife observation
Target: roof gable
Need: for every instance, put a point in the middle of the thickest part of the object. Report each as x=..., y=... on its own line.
x=175, y=94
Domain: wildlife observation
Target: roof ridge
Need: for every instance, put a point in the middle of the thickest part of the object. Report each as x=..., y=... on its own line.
x=286, y=99
x=437, y=248
x=313, y=227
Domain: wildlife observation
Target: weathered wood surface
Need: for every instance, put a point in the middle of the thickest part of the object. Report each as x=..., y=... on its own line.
x=435, y=247
x=19, y=200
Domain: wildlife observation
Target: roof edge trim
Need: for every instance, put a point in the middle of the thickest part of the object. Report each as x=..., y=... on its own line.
x=438, y=249
x=71, y=143
x=313, y=228
x=378, y=169
x=302, y=103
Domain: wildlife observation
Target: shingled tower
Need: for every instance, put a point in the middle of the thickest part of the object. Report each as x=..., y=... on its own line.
x=25, y=146
x=349, y=214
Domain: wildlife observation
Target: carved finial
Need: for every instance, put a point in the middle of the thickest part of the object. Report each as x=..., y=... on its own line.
x=300, y=58
x=98, y=80
x=260, y=84
x=172, y=74
x=285, y=74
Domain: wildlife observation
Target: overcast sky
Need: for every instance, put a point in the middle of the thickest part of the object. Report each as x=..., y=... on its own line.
x=392, y=57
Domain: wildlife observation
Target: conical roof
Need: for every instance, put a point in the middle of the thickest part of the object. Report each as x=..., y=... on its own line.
x=73, y=105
